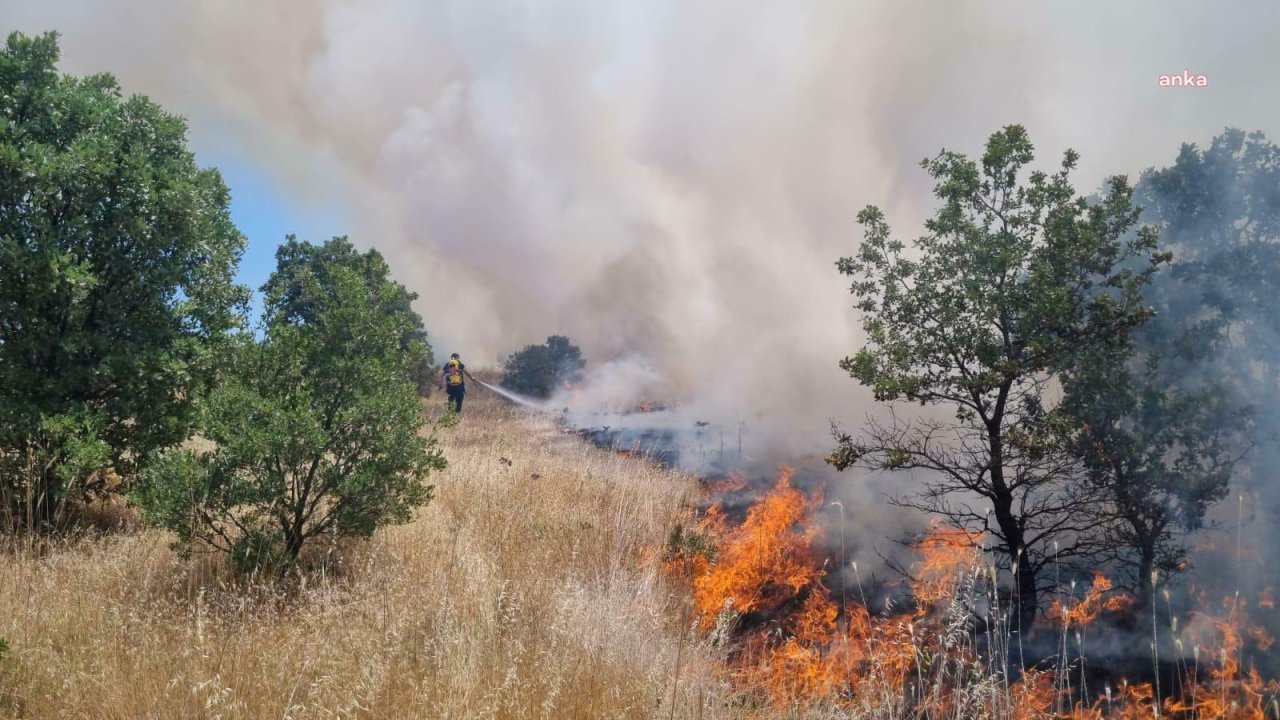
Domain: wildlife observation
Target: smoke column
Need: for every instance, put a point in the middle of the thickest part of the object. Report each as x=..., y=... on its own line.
x=667, y=180
x=668, y=183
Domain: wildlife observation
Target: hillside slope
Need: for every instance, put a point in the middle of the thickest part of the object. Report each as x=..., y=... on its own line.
x=526, y=589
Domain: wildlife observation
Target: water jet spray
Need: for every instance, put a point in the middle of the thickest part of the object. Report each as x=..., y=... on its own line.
x=517, y=399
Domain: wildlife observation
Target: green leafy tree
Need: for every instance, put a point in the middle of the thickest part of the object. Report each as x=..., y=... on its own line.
x=1165, y=423
x=1218, y=210
x=1160, y=453
x=1216, y=325
x=117, y=258
x=299, y=258
x=979, y=319
x=318, y=427
x=539, y=370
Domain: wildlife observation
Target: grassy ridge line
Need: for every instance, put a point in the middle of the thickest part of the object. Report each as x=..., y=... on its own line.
x=522, y=591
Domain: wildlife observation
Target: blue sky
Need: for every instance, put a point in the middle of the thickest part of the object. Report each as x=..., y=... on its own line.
x=266, y=215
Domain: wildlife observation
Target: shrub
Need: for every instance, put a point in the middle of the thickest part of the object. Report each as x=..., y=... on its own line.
x=538, y=370
x=316, y=428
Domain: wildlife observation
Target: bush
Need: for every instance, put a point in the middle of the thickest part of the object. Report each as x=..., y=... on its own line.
x=301, y=259
x=538, y=370
x=317, y=427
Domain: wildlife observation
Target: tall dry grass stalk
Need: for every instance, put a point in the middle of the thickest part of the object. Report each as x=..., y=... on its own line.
x=525, y=590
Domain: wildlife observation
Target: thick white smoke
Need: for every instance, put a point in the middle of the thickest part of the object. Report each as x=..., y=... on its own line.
x=665, y=180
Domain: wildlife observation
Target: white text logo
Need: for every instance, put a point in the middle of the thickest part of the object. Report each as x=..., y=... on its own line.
x=1186, y=79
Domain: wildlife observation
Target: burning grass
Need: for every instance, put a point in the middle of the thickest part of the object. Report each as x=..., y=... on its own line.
x=761, y=595
x=529, y=589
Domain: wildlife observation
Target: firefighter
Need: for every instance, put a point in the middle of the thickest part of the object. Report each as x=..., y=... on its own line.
x=453, y=382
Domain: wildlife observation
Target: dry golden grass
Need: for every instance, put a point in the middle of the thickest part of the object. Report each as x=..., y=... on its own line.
x=524, y=590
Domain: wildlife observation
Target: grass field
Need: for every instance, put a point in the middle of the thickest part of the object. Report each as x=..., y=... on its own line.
x=526, y=589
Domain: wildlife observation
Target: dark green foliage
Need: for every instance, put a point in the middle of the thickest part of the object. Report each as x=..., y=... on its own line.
x=296, y=258
x=1161, y=454
x=1166, y=421
x=1219, y=212
x=1217, y=323
x=117, y=258
x=317, y=427
x=683, y=543
x=539, y=370
x=1012, y=278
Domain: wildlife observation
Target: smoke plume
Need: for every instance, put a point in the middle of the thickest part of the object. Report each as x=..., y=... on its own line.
x=664, y=180
x=666, y=183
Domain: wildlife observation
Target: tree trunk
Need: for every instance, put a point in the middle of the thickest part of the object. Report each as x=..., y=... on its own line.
x=1146, y=585
x=1026, y=599
x=31, y=503
x=1010, y=527
x=292, y=545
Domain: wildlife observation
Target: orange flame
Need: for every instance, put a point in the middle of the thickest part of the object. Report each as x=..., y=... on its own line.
x=1033, y=696
x=764, y=562
x=792, y=642
x=946, y=553
x=631, y=451
x=1261, y=638
x=1091, y=606
x=733, y=482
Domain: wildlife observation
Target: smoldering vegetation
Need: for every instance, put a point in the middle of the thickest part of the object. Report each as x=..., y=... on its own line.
x=667, y=185
x=1210, y=341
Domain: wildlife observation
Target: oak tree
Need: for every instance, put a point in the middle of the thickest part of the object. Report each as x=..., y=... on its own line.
x=975, y=320
x=117, y=265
